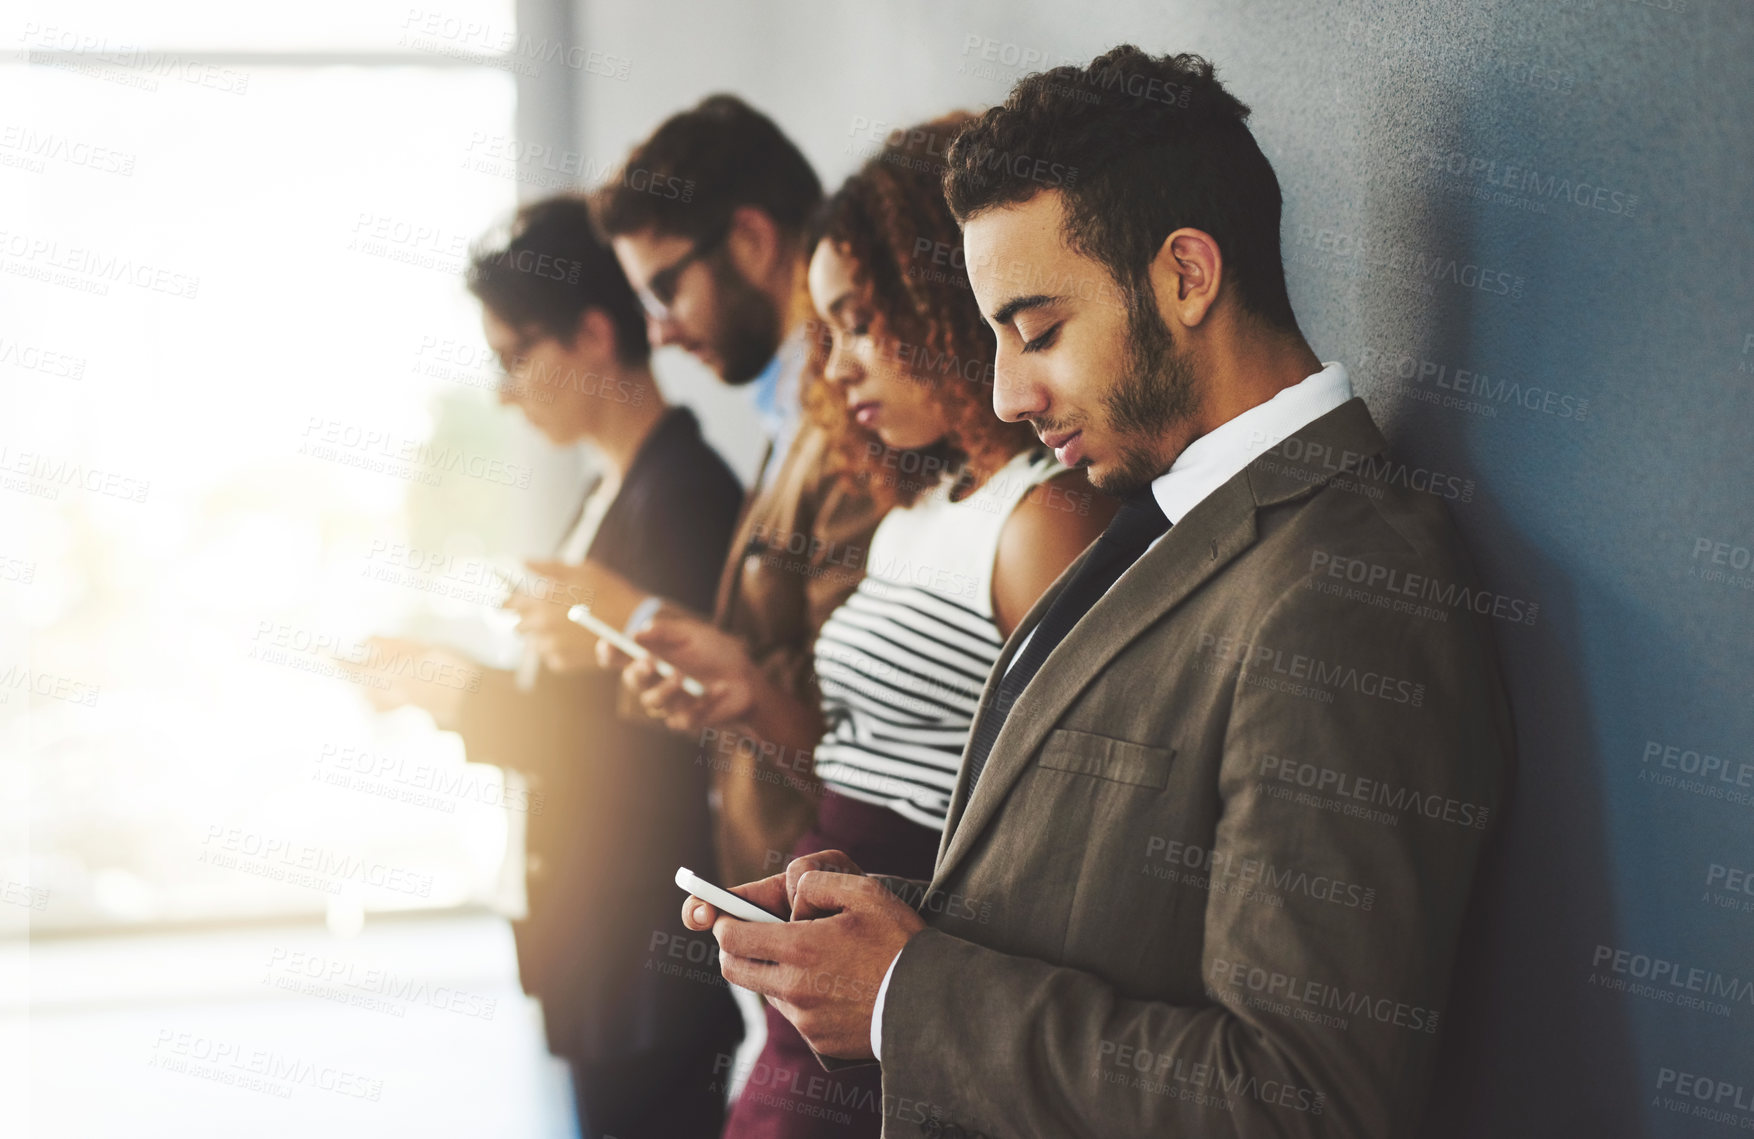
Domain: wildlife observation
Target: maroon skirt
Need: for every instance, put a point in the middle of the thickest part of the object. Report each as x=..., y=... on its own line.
x=788, y=1094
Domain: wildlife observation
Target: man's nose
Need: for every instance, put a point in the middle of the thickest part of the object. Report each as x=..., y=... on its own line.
x=1016, y=396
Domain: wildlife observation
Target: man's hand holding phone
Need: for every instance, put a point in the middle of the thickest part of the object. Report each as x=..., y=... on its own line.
x=822, y=969
x=777, y=893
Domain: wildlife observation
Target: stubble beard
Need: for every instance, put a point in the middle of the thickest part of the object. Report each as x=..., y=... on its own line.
x=1154, y=394
x=748, y=332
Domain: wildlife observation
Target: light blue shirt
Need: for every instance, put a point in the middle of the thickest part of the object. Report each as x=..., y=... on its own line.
x=776, y=395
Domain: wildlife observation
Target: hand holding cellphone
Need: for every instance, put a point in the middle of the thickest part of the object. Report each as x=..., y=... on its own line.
x=722, y=900
x=582, y=615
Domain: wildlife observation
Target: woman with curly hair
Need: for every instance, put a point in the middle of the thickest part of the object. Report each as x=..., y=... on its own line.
x=982, y=519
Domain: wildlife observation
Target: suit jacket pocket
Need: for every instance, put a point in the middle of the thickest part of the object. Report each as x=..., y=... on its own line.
x=1106, y=757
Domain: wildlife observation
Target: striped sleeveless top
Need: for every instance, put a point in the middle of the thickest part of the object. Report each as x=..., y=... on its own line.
x=902, y=662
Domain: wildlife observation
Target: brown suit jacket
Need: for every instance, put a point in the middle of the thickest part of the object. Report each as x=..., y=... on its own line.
x=798, y=553
x=1211, y=881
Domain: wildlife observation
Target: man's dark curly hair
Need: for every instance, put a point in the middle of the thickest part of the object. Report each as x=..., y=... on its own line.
x=891, y=221
x=1157, y=144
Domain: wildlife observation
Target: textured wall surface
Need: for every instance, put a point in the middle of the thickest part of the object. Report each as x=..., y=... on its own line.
x=1529, y=230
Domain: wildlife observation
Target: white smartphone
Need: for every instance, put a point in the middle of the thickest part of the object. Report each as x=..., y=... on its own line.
x=723, y=900
x=582, y=615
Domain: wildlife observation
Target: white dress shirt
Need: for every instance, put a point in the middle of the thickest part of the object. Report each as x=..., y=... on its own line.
x=1203, y=466
x=1215, y=457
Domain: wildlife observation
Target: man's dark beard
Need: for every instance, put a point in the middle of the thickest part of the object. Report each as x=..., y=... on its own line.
x=1154, y=394
x=748, y=332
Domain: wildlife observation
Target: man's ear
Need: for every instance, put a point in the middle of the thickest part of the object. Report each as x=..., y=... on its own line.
x=753, y=243
x=1186, y=275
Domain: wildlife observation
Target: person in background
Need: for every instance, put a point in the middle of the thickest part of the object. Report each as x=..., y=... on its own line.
x=623, y=803
x=708, y=217
x=981, y=519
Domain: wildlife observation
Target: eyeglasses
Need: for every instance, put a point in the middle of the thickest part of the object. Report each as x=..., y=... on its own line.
x=659, y=293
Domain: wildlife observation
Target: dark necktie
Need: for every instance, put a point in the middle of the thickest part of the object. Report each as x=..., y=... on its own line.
x=1138, y=523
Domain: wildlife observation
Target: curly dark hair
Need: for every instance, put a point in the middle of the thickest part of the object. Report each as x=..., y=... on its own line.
x=891, y=220
x=1154, y=143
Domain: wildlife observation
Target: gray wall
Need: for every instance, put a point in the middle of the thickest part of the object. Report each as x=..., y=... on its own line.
x=1575, y=350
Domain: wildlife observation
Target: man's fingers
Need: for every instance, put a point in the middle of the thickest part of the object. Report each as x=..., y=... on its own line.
x=823, y=892
x=762, y=977
x=698, y=915
x=760, y=941
x=769, y=893
x=756, y=955
x=821, y=860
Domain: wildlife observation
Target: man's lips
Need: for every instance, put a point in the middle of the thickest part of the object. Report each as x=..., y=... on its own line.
x=1066, y=445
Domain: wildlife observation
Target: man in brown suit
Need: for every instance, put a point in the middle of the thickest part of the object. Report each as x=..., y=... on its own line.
x=1219, y=820
x=707, y=216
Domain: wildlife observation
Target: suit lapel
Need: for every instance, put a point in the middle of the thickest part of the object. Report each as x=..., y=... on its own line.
x=1208, y=538
x=1013, y=645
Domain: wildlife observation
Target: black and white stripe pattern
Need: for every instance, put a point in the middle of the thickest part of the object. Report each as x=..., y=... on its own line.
x=901, y=669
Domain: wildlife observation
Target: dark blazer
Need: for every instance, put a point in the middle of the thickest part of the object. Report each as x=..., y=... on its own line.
x=616, y=805
x=1211, y=880
x=799, y=552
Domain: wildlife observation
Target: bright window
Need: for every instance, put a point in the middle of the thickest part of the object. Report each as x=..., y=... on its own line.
x=245, y=421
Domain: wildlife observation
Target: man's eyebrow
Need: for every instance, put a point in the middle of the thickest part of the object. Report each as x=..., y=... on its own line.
x=1020, y=304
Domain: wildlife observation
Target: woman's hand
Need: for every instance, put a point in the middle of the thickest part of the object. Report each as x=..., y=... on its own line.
x=541, y=601
x=542, y=598
x=695, y=648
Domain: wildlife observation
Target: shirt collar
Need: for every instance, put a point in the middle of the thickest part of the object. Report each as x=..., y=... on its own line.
x=774, y=391
x=1211, y=460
